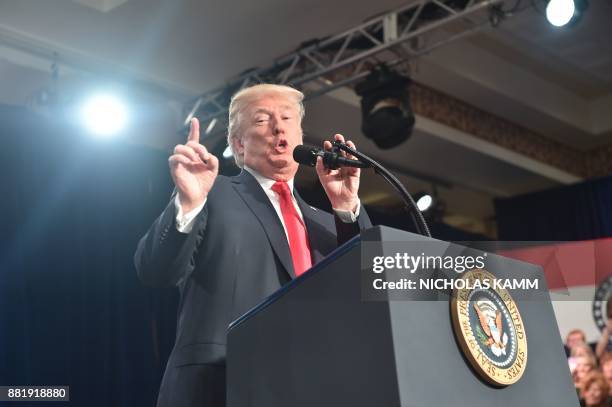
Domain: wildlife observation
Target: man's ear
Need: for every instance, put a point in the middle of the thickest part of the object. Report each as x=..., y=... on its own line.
x=238, y=146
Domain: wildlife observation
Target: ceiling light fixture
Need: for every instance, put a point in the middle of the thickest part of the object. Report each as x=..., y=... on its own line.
x=561, y=13
x=424, y=201
x=387, y=118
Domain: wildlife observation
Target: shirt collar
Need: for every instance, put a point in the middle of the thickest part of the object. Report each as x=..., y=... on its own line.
x=265, y=182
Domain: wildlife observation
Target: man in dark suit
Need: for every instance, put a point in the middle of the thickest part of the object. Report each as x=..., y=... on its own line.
x=228, y=243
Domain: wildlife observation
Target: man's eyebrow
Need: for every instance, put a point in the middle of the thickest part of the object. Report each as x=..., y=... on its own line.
x=284, y=108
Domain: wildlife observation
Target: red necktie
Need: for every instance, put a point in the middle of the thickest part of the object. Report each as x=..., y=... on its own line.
x=298, y=237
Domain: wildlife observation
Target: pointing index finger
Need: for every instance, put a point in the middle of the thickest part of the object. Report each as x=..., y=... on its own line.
x=194, y=130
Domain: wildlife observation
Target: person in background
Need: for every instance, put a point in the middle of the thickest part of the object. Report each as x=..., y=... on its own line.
x=606, y=368
x=603, y=344
x=581, y=350
x=584, y=366
x=574, y=337
x=594, y=390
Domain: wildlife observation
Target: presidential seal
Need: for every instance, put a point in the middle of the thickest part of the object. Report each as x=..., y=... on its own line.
x=489, y=329
x=602, y=306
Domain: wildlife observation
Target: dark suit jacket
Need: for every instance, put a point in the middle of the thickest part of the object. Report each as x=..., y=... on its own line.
x=236, y=255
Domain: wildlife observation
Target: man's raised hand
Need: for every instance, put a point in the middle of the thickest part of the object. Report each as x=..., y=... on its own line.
x=193, y=169
x=341, y=185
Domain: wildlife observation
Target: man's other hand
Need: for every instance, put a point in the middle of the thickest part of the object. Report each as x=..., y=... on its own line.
x=341, y=185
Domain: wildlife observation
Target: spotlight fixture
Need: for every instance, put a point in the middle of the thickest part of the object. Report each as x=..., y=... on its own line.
x=227, y=164
x=386, y=116
x=424, y=201
x=565, y=12
x=227, y=153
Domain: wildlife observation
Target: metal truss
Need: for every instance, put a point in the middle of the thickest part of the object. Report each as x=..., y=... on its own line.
x=321, y=66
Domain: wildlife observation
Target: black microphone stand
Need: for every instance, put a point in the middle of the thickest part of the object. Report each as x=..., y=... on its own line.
x=415, y=213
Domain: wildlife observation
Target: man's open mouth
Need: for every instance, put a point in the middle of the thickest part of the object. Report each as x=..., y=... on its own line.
x=281, y=147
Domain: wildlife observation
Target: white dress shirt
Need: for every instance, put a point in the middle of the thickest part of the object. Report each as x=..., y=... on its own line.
x=184, y=222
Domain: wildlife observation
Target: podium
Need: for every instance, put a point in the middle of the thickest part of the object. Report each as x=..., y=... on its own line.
x=319, y=341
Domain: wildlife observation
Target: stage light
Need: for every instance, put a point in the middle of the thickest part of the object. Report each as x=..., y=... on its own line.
x=227, y=164
x=227, y=153
x=424, y=201
x=560, y=12
x=386, y=115
x=104, y=115
x=565, y=12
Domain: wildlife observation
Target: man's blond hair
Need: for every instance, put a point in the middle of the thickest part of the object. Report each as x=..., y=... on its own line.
x=245, y=97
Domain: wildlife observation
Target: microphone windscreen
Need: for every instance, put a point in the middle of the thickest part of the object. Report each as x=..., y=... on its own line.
x=305, y=155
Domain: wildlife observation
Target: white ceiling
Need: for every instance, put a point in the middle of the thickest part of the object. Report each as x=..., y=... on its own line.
x=555, y=82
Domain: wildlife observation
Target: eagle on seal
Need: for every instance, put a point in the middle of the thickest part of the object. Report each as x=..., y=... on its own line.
x=491, y=322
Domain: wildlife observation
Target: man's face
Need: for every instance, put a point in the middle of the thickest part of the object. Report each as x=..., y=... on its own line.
x=270, y=130
x=574, y=339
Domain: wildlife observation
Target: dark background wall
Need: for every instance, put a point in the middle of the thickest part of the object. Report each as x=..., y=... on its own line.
x=576, y=212
x=72, y=311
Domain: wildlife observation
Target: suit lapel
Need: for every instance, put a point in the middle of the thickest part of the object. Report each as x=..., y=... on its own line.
x=257, y=200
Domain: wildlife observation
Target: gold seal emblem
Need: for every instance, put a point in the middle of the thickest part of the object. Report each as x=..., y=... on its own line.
x=489, y=328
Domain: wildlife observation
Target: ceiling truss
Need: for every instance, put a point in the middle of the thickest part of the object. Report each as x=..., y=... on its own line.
x=320, y=66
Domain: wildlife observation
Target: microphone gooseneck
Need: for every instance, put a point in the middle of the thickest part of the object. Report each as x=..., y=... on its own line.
x=333, y=160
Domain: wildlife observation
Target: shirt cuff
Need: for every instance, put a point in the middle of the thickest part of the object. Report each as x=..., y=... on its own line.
x=348, y=216
x=184, y=222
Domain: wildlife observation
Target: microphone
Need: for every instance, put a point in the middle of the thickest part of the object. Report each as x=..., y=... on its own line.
x=307, y=155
